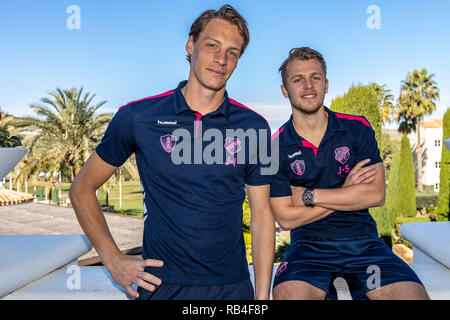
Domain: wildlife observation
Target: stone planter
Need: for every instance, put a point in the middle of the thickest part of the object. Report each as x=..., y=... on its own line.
x=9, y=158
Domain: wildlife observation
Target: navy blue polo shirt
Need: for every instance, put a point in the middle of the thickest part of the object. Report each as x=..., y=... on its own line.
x=347, y=140
x=192, y=205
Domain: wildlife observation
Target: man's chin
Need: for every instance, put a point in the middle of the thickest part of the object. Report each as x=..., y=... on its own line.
x=308, y=109
x=211, y=85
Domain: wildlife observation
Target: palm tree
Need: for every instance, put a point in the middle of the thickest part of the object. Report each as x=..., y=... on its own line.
x=385, y=99
x=418, y=94
x=65, y=132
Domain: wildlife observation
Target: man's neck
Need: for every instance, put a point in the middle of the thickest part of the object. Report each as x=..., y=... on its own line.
x=202, y=99
x=309, y=126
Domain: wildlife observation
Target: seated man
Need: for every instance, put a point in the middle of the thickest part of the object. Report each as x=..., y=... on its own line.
x=332, y=162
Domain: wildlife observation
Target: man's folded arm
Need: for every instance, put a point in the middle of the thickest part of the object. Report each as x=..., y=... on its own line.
x=290, y=216
x=354, y=197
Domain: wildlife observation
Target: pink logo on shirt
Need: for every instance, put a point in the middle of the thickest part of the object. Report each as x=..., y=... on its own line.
x=298, y=166
x=342, y=154
x=233, y=145
x=281, y=268
x=168, y=142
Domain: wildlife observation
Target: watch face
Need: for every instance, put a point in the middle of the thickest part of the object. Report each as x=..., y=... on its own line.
x=308, y=196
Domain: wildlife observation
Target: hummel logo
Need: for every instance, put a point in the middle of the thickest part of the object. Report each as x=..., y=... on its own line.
x=290, y=156
x=167, y=122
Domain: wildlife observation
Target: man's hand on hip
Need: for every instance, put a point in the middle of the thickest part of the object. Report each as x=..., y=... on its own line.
x=128, y=270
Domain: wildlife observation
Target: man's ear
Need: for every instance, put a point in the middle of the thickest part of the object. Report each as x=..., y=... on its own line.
x=190, y=45
x=284, y=91
x=326, y=85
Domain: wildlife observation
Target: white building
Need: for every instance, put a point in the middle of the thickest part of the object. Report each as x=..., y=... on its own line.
x=431, y=133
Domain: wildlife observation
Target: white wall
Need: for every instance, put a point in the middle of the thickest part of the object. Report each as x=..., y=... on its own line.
x=432, y=154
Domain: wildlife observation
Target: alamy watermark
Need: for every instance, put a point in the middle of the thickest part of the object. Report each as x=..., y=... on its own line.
x=73, y=22
x=236, y=147
x=373, y=22
x=73, y=281
x=374, y=280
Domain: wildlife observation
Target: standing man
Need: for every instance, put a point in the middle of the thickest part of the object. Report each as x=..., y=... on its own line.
x=193, y=246
x=330, y=174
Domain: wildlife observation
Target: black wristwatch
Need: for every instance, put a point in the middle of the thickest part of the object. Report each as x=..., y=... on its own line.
x=308, y=197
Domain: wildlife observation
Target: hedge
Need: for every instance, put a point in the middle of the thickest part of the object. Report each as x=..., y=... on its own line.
x=443, y=206
x=406, y=181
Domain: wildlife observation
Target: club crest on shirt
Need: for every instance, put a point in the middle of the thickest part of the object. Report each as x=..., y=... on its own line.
x=342, y=154
x=298, y=166
x=168, y=142
x=232, y=144
x=281, y=268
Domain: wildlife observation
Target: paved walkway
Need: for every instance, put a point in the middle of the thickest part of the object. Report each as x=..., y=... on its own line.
x=37, y=218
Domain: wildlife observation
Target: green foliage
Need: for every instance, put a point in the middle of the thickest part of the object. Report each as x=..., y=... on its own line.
x=443, y=206
x=401, y=220
x=388, y=148
x=381, y=217
x=393, y=190
x=386, y=215
x=417, y=95
x=6, y=140
x=406, y=181
x=281, y=248
x=361, y=100
x=67, y=128
x=426, y=200
x=246, y=229
x=385, y=101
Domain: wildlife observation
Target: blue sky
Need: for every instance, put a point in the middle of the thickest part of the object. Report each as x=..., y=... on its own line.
x=126, y=50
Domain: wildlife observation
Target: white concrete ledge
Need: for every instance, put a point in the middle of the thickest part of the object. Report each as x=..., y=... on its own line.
x=72, y=282
x=432, y=238
x=26, y=258
x=431, y=252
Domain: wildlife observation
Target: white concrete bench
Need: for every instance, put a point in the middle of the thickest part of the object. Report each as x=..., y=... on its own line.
x=431, y=254
x=44, y=267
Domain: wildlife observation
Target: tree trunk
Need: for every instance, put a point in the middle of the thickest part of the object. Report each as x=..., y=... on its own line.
x=419, y=158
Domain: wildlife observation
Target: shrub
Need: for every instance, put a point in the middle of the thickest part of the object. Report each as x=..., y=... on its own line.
x=361, y=100
x=392, y=192
x=443, y=205
x=381, y=217
x=406, y=181
x=426, y=200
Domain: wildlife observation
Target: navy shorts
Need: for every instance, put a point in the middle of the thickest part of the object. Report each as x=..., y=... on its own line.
x=242, y=290
x=365, y=264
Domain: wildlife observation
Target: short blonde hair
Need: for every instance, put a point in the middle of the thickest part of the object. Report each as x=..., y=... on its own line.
x=303, y=53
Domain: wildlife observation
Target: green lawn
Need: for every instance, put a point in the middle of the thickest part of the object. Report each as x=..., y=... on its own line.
x=132, y=203
x=131, y=196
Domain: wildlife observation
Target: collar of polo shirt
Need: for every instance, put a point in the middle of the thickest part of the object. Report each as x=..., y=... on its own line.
x=334, y=125
x=180, y=104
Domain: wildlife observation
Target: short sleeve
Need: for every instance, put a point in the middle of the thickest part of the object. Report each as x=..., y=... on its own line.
x=366, y=145
x=258, y=170
x=118, y=143
x=280, y=186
